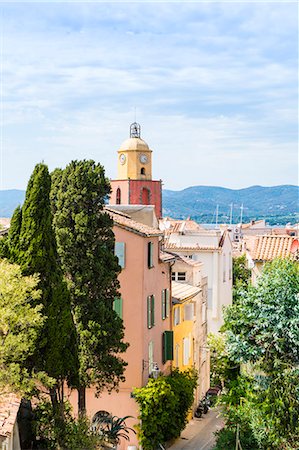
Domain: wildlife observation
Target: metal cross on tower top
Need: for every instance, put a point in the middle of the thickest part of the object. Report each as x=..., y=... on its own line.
x=135, y=130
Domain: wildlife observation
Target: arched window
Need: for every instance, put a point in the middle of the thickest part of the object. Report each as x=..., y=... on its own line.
x=145, y=196
x=118, y=196
x=142, y=171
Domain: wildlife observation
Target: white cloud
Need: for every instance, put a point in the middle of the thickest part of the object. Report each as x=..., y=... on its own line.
x=207, y=79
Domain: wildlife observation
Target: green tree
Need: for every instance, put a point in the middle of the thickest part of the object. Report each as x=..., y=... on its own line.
x=56, y=353
x=264, y=325
x=241, y=276
x=222, y=368
x=164, y=405
x=9, y=244
x=86, y=248
x=263, y=330
x=20, y=327
x=241, y=273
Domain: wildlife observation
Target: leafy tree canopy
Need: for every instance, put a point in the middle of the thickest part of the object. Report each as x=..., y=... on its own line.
x=20, y=326
x=264, y=325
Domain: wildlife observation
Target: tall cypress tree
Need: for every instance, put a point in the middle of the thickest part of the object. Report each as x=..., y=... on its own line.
x=86, y=248
x=37, y=253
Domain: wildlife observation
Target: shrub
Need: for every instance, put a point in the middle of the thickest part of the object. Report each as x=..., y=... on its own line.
x=164, y=404
x=73, y=433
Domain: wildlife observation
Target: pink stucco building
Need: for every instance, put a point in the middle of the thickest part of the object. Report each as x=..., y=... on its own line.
x=145, y=308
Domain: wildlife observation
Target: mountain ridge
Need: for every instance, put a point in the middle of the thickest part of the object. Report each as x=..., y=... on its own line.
x=200, y=202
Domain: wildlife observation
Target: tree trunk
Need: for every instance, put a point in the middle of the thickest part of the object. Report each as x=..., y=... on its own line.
x=82, y=400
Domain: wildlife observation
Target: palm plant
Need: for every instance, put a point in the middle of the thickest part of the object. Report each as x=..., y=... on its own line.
x=111, y=428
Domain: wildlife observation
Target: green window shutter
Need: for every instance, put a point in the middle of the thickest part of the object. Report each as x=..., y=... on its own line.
x=150, y=260
x=149, y=312
x=120, y=253
x=167, y=346
x=163, y=303
x=167, y=300
x=118, y=306
x=153, y=310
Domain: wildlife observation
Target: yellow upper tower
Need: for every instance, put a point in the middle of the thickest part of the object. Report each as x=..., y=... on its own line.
x=134, y=157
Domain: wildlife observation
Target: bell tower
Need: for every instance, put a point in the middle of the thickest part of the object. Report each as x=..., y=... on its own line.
x=134, y=157
x=134, y=184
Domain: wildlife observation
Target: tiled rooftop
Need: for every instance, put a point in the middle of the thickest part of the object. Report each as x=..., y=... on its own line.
x=9, y=406
x=124, y=221
x=268, y=247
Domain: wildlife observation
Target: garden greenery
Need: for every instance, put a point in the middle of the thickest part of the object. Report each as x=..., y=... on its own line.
x=261, y=330
x=164, y=404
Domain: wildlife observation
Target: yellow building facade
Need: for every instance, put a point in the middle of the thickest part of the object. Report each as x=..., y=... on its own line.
x=184, y=317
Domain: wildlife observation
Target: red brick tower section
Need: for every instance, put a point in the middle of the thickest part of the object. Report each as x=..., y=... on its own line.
x=134, y=185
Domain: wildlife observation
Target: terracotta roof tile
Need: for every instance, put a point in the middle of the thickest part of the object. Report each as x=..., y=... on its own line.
x=9, y=406
x=268, y=247
x=124, y=221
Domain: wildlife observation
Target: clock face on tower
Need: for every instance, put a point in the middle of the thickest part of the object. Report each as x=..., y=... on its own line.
x=122, y=158
x=143, y=159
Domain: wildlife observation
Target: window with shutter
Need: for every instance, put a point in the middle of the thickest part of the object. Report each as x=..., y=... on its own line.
x=167, y=346
x=153, y=309
x=188, y=311
x=120, y=253
x=118, y=306
x=186, y=351
x=176, y=315
x=150, y=311
x=150, y=258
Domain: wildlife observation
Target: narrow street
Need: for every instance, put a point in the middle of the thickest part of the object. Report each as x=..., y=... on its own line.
x=199, y=433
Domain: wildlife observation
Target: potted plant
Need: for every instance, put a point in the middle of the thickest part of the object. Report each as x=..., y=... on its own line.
x=111, y=429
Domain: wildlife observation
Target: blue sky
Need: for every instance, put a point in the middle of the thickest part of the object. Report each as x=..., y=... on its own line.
x=214, y=86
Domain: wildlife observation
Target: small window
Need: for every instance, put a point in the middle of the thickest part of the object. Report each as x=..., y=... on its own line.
x=142, y=171
x=181, y=276
x=150, y=256
x=173, y=276
x=186, y=351
x=177, y=315
x=119, y=251
x=189, y=311
x=150, y=311
x=118, y=196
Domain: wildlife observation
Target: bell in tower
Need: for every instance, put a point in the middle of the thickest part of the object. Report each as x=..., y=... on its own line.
x=135, y=130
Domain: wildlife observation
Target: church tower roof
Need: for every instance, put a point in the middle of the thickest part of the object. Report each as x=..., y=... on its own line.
x=134, y=142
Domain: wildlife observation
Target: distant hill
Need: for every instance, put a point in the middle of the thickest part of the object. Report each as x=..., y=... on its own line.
x=278, y=204
x=9, y=200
